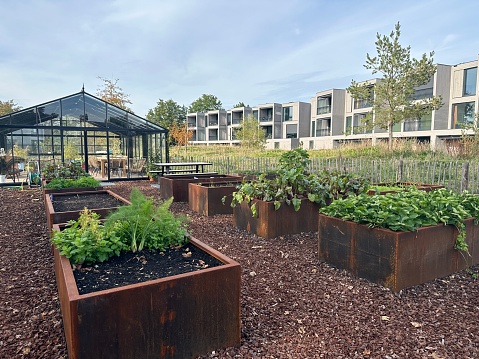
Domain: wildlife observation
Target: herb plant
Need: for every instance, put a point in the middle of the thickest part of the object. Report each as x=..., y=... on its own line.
x=147, y=225
x=130, y=228
x=409, y=210
x=86, y=241
x=81, y=182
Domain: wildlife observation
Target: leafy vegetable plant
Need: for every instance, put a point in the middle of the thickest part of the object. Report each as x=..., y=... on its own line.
x=293, y=183
x=409, y=210
x=72, y=170
x=130, y=228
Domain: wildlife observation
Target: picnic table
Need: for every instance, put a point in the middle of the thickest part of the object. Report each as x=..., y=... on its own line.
x=180, y=167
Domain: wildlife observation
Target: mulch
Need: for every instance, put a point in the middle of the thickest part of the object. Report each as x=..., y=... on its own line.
x=292, y=305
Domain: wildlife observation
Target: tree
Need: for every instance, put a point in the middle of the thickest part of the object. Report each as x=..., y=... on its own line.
x=180, y=133
x=205, y=103
x=393, y=95
x=166, y=113
x=250, y=133
x=8, y=107
x=240, y=104
x=112, y=93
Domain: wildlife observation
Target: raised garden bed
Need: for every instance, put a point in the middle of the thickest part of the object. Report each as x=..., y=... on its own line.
x=383, y=188
x=180, y=316
x=270, y=223
x=206, y=198
x=63, y=207
x=395, y=260
x=176, y=186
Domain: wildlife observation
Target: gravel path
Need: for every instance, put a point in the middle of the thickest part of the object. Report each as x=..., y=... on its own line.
x=293, y=306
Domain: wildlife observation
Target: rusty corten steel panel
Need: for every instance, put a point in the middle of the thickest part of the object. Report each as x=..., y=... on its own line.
x=206, y=199
x=395, y=260
x=63, y=217
x=271, y=223
x=182, y=316
x=176, y=186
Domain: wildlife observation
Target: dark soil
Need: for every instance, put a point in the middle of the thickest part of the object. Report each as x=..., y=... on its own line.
x=292, y=305
x=132, y=268
x=76, y=202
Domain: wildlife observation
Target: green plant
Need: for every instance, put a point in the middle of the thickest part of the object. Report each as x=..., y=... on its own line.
x=292, y=184
x=133, y=227
x=72, y=170
x=147, y=225
x=86, y=241
x=150, y=165
x=409, y=210
x=85, y=181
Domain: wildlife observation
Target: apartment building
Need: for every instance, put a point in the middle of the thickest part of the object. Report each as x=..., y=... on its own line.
x=333, y=116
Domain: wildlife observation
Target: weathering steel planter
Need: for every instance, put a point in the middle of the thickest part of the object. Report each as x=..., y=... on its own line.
x=271, y=223
x=206, y=198
x=395, y=260
x=181, y=316
x=176, y=186
x=63, y=217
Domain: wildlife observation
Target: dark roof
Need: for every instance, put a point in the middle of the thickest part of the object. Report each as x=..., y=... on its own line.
x=78, y=110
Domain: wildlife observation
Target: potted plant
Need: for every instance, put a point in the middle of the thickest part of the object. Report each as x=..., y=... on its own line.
x=289, y=202
x=401, y=239
x=182, y=315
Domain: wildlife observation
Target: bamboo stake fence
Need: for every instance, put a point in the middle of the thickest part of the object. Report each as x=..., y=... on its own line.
x=455, y=175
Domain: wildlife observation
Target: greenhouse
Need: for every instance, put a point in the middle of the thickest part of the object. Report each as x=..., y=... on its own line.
x=109, y=142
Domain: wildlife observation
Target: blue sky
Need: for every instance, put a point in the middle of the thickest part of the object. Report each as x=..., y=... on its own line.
x=258, y=52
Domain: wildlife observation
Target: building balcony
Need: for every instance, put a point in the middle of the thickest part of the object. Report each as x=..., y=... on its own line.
x=323, y=132
x=323, y=109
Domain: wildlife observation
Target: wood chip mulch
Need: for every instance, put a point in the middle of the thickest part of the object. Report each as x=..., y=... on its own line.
x=292, y=305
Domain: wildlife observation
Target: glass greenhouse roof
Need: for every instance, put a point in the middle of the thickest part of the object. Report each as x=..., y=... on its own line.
x=78, y=110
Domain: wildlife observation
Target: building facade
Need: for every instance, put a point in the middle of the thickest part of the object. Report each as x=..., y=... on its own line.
x=333, y=116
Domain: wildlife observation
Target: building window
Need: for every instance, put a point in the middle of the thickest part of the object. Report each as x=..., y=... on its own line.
x=423, y=93
x=359, y=125
x=349, y=125
x=255, y=114
x=313, y=128
x=322, y=128
x=288, y=113
x=323, y=106
x=276, y=145
x=228, y=119
x=311, y=145
x=421, y=124
x=462, y=113
x=470, y=80
x=291, y=131
x=365, y=102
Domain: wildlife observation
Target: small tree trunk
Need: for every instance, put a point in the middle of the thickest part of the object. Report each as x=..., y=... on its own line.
x=390, y=139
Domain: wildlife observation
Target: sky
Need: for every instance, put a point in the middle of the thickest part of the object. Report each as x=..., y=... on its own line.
x=251, y=51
